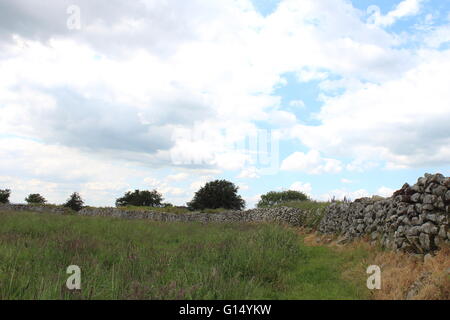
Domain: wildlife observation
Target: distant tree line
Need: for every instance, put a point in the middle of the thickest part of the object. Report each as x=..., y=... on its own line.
x=213, y=195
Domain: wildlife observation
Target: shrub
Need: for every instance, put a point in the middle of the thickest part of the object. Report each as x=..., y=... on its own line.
x=140, y=199
x=217, y=194
x=74, y=202
x=4, y=195
x=35, y=198
x=274, y=198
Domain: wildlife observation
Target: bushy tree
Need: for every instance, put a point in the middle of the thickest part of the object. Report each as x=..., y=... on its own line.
x=140, y=198
x=167, y=205
x=74, y=202
x=4, y=195
x=273, y=198
x=217, y=194
x=35, y=198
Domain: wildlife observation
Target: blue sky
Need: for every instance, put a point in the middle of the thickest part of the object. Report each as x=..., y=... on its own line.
x=161, y=95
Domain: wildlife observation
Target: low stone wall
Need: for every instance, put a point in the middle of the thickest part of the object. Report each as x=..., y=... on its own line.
x=414, y=219
x=290, y=216
x=36, y=208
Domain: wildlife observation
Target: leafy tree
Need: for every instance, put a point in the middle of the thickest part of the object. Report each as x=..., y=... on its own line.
x=141, y=198
x=4, y=195
x=74, y=202
x=167, y=205
x=217, y=194
x=35, y=198
x=273, y=198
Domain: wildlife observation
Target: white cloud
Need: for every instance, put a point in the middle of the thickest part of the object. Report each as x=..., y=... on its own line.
x=310, y=75
x=282, y=119
x=250, y=173
x=385, y=192
x=178, y=177
x=438, y=36
x=311, y=163
x=340, y=194
x=112, y=97
x=251, y=202
x=200, y=182
x=152, y=182
x=403, y=9
x=402, y=122
x=297, y=103
x=302, y=187
x=243, y=187
x=57, y=171
x=343, y=180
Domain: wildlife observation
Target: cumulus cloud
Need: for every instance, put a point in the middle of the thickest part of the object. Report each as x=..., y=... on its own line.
x=385, y=192
x=403, y=9
x=136, y=75
x=311, y=163
x=302, y=187
x=249, y=173
x=402, y=122
x=80, y=89
x=56, y=171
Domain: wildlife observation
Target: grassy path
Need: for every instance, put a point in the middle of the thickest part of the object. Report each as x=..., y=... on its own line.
x=321, y=275
x=124, y=259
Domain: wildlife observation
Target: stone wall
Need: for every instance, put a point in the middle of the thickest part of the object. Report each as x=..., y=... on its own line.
x=36, y=208
x=290, y=216
x=414, y=219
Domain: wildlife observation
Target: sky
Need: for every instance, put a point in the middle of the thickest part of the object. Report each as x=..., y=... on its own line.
x=332, y=98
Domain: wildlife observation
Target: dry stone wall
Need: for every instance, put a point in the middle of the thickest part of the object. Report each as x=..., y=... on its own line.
x=414, y=219
x=291, y=216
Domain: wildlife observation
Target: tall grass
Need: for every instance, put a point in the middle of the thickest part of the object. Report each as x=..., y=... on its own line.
x=140, y=259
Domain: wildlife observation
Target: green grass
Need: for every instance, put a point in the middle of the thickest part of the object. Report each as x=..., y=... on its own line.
x=138, y=259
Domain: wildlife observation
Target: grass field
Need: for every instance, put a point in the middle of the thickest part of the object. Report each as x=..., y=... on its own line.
x=123, y=259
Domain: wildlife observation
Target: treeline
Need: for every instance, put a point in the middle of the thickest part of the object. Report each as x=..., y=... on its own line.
x=217, y=194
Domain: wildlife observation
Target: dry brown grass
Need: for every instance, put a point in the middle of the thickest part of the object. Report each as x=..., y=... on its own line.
x=401, y=273
x=423, y=280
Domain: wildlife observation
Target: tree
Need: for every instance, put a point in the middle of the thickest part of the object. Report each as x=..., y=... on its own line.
x=74, y=202
x=273, y=198
x=4, y=195
x=35, y=198
x=217, y=194
x=141, y=198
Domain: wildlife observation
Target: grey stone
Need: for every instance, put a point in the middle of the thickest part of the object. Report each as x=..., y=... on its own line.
x=439, y=191
x=432, y=217
x=425, y=242
x=429, y=228
x=429, y=199
x=413, y=231
x=415, y=197
x=447, y=196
